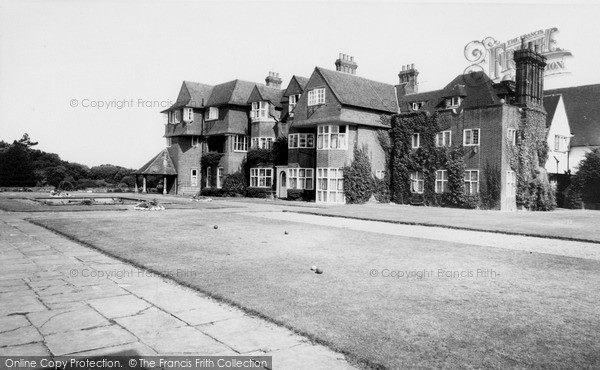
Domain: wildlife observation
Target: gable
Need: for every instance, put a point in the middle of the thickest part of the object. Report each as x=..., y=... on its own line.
x=296, y=86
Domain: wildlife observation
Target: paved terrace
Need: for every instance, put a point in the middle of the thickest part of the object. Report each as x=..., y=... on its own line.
x=50, y=305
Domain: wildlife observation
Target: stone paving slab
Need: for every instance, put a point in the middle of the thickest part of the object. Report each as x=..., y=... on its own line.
x=47, y=309
x=246, y=334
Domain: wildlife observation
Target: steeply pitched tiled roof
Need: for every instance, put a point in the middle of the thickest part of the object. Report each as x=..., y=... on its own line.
x=234, y=92
x=550, y=105
x=477, y=90
x=582, y=104
x=162, y=164
x=296, y=86
x=360, y=92
x=262, y=93
x=191, y=94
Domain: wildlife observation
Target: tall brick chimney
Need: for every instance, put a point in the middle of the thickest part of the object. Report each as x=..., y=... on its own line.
x=408, y=78
x=530, y=66
x=273, y=80
x=345, y=63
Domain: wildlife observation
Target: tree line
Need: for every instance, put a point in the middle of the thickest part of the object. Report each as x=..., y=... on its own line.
x=21, y=165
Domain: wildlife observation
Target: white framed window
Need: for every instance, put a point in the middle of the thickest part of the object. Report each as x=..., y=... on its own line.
x=240, y=143
x=169, y=142
x=471, y=137
x=417, y=182
x=471, y=181
x=262, y=142
x=261, y=177
x=194, y=177
x=417, y=105
x=293, y=100
x=511, y=135
x=219, y=177
x=332, y=137
x=301, y=178
x=560, y=143
x=195, y=141
x=301, y=141
x=260, y=110
x=177, y=116
x=208, y=177
x=188, y=114
x=441, y=181
x=453, y=102
x=511, y=183
x=443, y=138
x=380, y=174
x=213, y=113
x=416, y=141
x=316, y=96
x=330, y=185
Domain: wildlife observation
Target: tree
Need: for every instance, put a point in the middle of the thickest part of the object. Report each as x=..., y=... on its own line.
x=16, y=166
x=358, y=178
x=589, y=176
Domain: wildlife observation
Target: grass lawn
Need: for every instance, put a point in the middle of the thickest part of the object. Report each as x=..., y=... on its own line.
x=539, y=310
x=561, y=223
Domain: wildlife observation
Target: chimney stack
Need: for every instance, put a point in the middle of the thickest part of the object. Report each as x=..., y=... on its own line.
x=273, y=80
x=408, y=78
x=530, y=65
x=345, y=63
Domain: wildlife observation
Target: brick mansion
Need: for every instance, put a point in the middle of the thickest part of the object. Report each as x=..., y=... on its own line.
x=326, y=115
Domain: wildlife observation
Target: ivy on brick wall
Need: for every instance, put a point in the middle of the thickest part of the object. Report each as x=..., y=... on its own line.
x=428, y=158
x=527, y=159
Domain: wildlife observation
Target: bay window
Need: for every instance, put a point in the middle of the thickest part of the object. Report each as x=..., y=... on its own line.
x=330, y=185
x=300, y=178
x=332, y=137
x=261, y=177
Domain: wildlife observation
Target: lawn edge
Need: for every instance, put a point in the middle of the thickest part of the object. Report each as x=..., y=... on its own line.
x=412, y=223
x=350, y=357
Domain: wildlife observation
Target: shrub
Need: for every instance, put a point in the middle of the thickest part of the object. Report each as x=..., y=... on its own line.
x=300, y=194
x=210, y=159
x=84, y=184
x=86, y=202
x=212, y=192
x=258, y=192
x=234, y=185
x=589, y=177
x=65, y=185
x=491, y=187
x=382, y=190
x=358, y=178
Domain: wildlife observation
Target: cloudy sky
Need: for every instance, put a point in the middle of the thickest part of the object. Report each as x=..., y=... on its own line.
x=60, y=60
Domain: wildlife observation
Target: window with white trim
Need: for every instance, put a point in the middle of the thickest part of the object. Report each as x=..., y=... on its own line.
x=560, y=143
x=380, y=174
x=169, y=142
x=293, y=100
x=417, y=182
x=417, y=105
x=471, y=137
x=213, y=113
x=240, y=143
x=301, y=141
x=208, y=177
x=443, y=138
x=511, y=135
x=260, y=110
x=332, y=137
x=316, y=96
x=330, y=185
x=194, y=177
x=471, y=181
x=300, y=178
x=511, y=183
x=262, y=142
x=219, y=177
x=416, y=141
x=261, y=177
x=441, y=181
x=195, y=141
x=453, y=102
x=188, y=114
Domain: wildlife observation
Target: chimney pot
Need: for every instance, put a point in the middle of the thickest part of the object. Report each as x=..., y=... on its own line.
x=403, y=68
x=412, y=66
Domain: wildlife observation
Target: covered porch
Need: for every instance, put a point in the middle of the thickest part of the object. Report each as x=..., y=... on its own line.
x=160, y=166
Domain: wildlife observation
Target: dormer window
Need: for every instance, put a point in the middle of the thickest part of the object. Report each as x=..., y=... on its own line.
x=188, y=114
x=417, y=105
x=213, y=113
x=293, y=100
x=259, y=110
x=316, y=97
x=174, y=117
x=453, y=102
